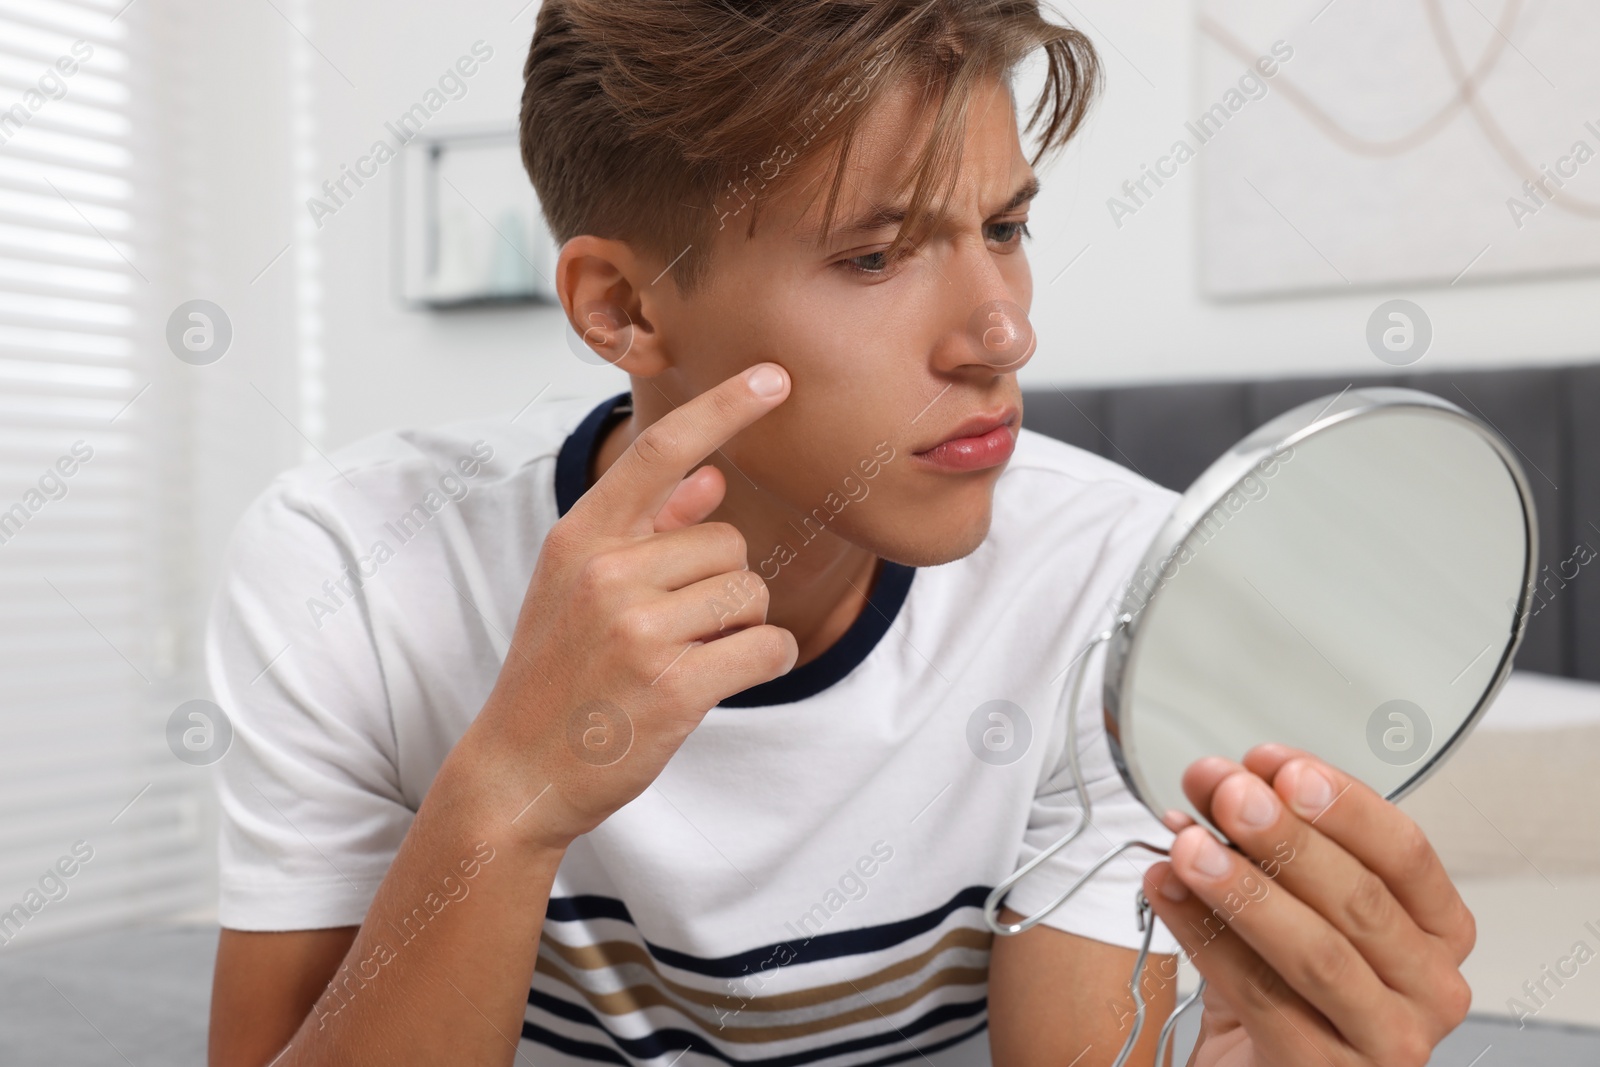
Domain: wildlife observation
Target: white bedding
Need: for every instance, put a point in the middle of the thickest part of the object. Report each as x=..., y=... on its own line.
x=1543, y=702
x=1521, y=796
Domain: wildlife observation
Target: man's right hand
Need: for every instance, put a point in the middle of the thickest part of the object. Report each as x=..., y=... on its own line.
x=639, y=619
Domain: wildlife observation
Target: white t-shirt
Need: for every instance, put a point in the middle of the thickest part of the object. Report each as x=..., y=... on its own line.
x=804, y=882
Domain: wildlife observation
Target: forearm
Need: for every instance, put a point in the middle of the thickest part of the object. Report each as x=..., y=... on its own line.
x=1057, y=998
x=440, y=969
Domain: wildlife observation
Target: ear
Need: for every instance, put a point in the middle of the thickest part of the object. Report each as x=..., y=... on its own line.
x=608, y=299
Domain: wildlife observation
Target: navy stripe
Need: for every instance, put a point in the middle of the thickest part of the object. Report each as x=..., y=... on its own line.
x=818, y=947
x=889, y=588
x=662, y=1042
x=587, y=906
x=584, y=1049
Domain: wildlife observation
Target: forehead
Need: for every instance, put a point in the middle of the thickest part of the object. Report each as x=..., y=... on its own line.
x=880, y=170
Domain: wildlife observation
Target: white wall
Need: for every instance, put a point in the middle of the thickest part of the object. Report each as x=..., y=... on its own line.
x=385, y=365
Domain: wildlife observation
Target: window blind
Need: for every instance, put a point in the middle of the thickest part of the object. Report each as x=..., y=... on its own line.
x=88, y=490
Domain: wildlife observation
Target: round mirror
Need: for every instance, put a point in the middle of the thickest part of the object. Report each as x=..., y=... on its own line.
x=1352, y=579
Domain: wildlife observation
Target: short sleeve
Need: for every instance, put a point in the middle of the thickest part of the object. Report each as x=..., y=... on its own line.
x=1105, y=908
x=312, y=813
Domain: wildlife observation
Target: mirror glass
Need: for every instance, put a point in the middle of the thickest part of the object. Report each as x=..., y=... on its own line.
x=1349, y=580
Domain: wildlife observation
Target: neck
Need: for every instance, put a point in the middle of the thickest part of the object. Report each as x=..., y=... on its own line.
x=824, y=585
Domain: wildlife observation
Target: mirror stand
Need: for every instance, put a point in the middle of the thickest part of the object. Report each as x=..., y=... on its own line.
x=991, y=905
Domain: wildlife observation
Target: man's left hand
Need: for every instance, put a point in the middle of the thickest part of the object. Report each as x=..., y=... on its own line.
x=1336, y=938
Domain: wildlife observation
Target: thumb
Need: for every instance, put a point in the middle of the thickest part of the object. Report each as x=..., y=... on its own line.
x=694, y=498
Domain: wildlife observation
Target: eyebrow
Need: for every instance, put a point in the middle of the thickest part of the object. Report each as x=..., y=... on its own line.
x=877, y=218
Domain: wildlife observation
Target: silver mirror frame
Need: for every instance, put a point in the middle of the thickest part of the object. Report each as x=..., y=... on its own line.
x=1222, y=478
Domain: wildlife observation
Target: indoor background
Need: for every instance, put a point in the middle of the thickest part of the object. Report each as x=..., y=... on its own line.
x=162, y=152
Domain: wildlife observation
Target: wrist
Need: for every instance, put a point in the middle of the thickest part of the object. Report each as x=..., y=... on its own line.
x=479, y=789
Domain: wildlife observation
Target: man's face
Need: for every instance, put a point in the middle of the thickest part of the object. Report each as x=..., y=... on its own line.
x=886, y=359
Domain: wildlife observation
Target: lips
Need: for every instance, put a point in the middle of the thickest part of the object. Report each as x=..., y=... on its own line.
x=979, y=442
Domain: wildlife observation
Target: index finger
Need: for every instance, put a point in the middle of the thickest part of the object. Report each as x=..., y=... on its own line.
x=641, y=480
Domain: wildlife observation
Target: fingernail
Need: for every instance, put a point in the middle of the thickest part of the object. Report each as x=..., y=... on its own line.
x=1259, y=808
x=1211, y=859
x=1173, y=889
x=1312, y=790
x=764, y=379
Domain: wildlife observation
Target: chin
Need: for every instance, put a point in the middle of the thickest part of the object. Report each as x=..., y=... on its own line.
x=928, y=544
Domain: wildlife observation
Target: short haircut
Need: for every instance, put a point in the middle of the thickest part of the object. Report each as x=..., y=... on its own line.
x=655, y=122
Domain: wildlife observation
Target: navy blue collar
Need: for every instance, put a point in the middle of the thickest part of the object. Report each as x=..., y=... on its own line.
x=576, y=457
x=888, y=592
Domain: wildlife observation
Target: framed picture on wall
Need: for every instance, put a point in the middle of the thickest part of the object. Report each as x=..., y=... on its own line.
x=1394, y=144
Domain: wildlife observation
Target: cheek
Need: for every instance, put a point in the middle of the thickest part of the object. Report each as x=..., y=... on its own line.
x=860, y=358
x=862, y=361
x=855, y=376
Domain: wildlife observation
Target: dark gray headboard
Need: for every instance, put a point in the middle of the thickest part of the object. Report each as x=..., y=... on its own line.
x=1171, y=432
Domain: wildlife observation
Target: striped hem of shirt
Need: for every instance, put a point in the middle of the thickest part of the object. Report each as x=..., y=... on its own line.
x=860, y=997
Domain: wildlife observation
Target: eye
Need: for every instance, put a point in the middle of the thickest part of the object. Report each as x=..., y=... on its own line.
x=1010, y=233
x=872, y=263
x=875, y=263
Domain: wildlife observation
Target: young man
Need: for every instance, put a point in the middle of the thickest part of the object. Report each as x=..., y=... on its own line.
x=695, y=724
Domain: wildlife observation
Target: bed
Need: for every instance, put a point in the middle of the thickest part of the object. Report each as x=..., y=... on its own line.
x=1523, y=791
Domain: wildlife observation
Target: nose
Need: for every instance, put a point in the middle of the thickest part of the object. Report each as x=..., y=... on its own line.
x=1000, y=335
x=988, y=328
